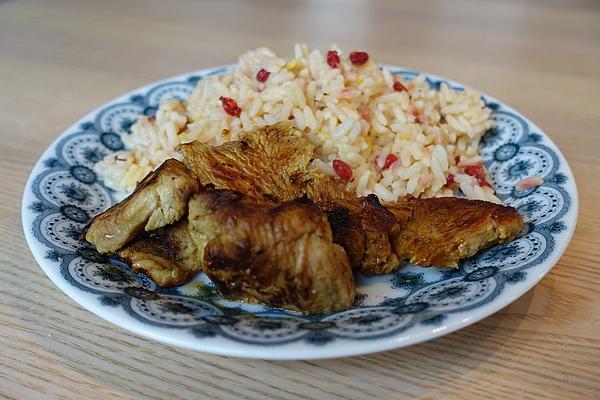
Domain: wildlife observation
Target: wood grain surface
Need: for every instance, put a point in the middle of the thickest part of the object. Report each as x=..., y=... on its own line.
x=61, y=59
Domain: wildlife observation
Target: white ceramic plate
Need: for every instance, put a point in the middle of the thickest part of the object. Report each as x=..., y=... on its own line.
x=413, y=305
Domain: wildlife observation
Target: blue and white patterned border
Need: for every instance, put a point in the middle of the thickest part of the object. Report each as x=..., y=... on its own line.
x=64, y=192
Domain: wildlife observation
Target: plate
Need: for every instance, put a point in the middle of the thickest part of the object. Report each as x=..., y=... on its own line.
x=407, y=307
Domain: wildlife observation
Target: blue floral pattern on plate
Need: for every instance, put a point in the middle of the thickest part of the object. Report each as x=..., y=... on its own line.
x=63, y=193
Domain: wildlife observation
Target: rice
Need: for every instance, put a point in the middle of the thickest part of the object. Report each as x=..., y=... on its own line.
x=351, y=113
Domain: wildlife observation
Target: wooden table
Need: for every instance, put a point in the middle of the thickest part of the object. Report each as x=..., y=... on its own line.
x=60, y=59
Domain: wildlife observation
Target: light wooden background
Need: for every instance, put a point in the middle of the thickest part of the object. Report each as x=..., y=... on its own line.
x=61, y=59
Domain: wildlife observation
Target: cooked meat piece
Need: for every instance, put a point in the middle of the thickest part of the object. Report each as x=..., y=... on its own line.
x=363, y=227
x=169, y=256
x=159, y=199
x=347, y=231
x=441, y=231
x=280, y=255
x=270, y=163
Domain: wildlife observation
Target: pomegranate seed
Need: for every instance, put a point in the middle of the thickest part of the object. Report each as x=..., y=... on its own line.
x=333, y=59
x=230, y=106
x=152, y=118
x=398, y=87
x=291, y=117
x=262, y=75
x=389, y=160
x=478, y=173
x=450, y=180
x=358, y=57
x=343, y=170
x=474, y=170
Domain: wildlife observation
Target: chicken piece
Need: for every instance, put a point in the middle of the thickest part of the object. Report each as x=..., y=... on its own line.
x=363, y=227
x=169, y=256
x=280, y=255
x=270, y=163
x=441, y=231
x=347, y=231
x=159, y=199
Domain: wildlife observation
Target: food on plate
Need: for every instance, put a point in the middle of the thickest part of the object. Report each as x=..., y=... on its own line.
x=375, y=132
x=279, y=179
x=160, y=199
x=266, y=226
x=442, y=231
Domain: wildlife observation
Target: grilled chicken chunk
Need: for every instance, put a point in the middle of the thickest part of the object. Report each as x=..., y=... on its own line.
x=280, y=255
x=441, y=231
x=173, y=255
x=363, y=227
x=169, y=256
x=159, y=199
x=270, y=163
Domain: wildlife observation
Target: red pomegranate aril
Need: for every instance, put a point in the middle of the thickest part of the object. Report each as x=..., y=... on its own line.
x=152, y=118
x=398, y=87
x=291, y=117
x=474, y=170
x=230, y=106
x=333, y=59
x=359, y=57
x=343, y=170
x=477, y=172
x=389, y=160
x=262, y=75
x=450, y=180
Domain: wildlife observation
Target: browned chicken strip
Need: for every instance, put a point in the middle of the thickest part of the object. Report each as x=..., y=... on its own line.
x=270, y=163
x=280, y=255
x=159, y=199
x=169, y=256
x=363, y=227
x=441, y=231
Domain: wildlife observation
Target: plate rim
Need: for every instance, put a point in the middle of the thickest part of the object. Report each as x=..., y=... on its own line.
x=290, y=351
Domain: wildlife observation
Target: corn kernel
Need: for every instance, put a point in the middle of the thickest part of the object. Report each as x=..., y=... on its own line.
x=292, y=65
x=360, y=79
